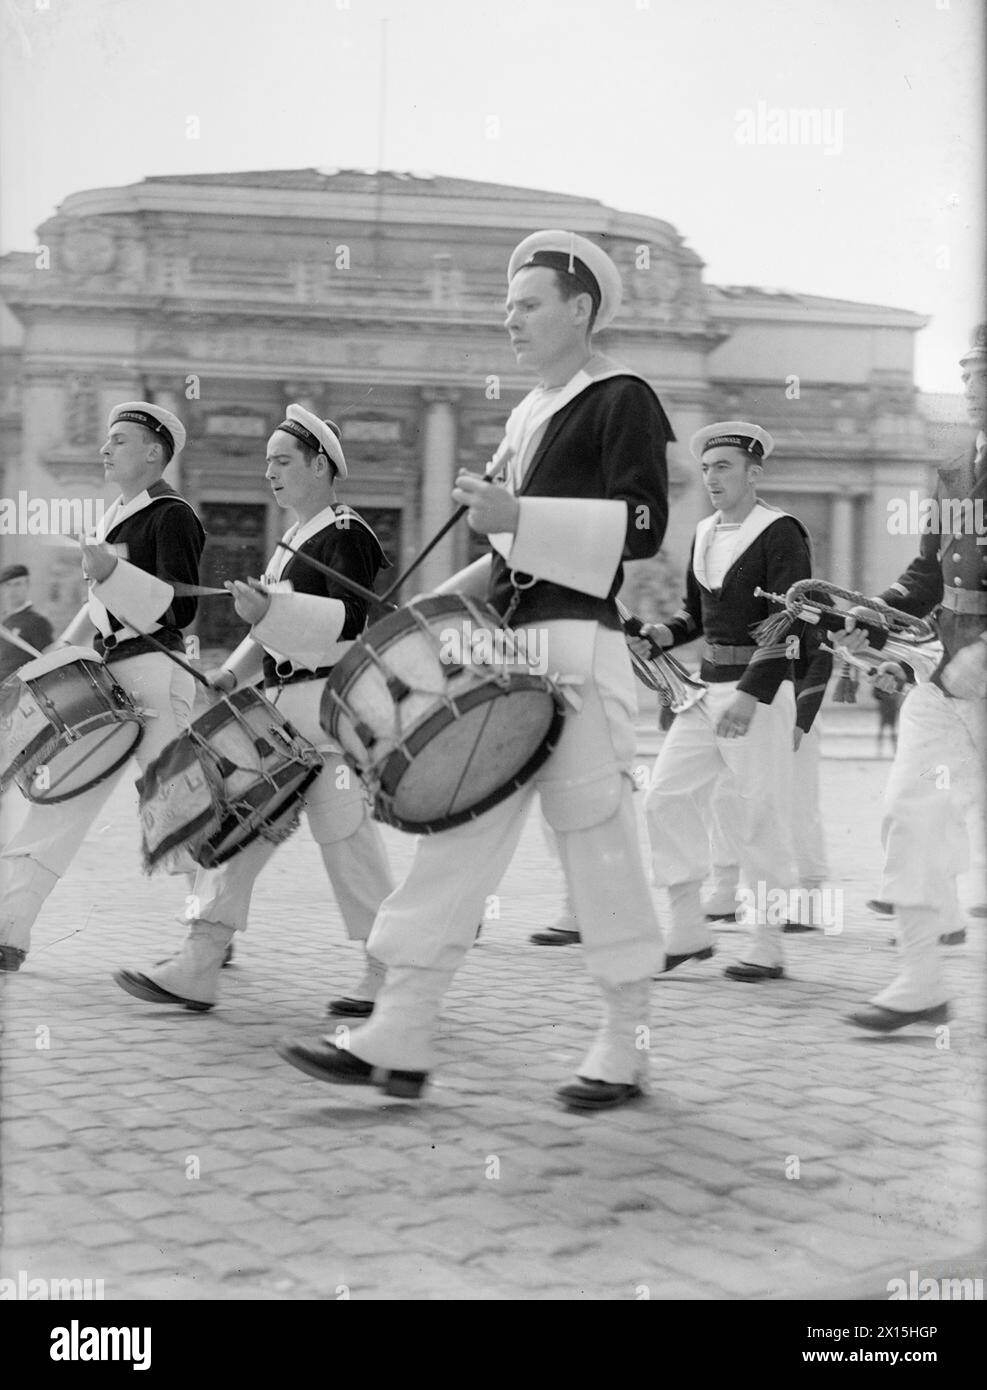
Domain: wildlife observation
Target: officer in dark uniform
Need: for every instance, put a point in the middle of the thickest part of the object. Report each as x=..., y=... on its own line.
x=17, y=615
x=938, y=770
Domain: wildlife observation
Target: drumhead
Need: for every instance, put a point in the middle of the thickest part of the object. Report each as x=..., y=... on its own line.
x=383, y=634
x=493, y=743
x=237, y=774
x=63, y=769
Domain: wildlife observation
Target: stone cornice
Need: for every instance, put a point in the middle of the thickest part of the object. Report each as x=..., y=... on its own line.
x=416, y=317
x=427, y=204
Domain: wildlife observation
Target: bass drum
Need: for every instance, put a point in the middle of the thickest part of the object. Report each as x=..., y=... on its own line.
x=441, y=713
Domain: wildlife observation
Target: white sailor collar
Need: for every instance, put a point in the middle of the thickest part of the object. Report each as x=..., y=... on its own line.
x=118, y=511
x=758, y=519
x=526, y=423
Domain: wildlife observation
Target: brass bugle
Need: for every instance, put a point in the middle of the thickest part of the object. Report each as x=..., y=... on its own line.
x=660, y=672
x=904, y=638
x=797, y=602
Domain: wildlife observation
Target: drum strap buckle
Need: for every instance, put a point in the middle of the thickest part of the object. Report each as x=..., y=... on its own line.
x=520, y=583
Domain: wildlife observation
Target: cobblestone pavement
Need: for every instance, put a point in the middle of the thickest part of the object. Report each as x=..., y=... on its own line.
x=780, y=1154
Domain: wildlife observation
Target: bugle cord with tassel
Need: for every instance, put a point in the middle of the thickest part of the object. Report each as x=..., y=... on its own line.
x=893, y=636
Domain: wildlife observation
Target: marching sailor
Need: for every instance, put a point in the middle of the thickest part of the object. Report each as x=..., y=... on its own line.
x=304, y=460
x=585, y=488
x=938, y=772
x=148, y=539
x=808, y=833
x=743, y=729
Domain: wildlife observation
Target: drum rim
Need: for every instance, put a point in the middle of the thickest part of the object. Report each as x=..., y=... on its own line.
x=214, y=861
x=440, y=719
x=187, y=743
x=220, y=713
x=129, y=718
x=58, y=660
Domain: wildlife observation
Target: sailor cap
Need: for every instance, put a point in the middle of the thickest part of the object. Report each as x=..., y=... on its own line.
x=168, y=427
x=977, y=350
x=567, y=251
x=734, y=434
x=320, y=435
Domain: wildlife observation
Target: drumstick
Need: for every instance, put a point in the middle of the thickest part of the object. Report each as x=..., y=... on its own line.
x=457, y=515
x=197, y=590
x=427, y=550
x=379, y=600
x=149, y=637
x=13, y=638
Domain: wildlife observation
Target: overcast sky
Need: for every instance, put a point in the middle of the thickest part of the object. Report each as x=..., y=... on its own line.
x=663, y=107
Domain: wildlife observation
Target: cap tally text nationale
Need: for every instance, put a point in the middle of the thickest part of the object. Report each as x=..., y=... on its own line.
x=734, y=434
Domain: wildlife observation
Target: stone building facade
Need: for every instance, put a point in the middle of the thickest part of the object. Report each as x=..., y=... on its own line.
x=376, y=299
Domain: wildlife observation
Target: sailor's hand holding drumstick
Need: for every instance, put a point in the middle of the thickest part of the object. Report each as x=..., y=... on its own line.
x=99, y=560
x=492, y=509
x=250, y=599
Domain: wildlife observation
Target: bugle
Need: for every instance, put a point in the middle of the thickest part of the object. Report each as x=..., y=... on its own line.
x=660, y=672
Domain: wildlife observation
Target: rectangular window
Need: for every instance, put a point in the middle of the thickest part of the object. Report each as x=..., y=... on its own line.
x=236, y=548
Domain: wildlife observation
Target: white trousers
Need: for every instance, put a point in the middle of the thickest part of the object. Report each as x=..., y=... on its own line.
x=935, y=782
x=567, y=921
x=808, y=834
x=338, y=816
x=427, y=925
x=758, y=770
x=43, y=847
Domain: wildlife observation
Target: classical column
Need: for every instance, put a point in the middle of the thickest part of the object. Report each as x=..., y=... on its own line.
x=438, y=476
x=841, y=543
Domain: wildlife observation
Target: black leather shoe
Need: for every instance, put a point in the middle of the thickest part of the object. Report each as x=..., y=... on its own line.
x=721, y=916
x=587, y=1094
x=672, y=961
x=12, y=958
x=978, y=910
x=799, y=927
x=327, y=1062
x=881, y=1020
x=228, y=956
x=142, y=988
x=948, y=938
x=744, y=970
x=882, y=908
x=555, y=936
x=350, y=1008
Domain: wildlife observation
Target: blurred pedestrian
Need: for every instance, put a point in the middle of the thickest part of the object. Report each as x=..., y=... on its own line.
x=19, y=616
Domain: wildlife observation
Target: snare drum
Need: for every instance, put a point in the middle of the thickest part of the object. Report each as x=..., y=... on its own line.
x=65, y=725
x=238, y=772
x=440, y=712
